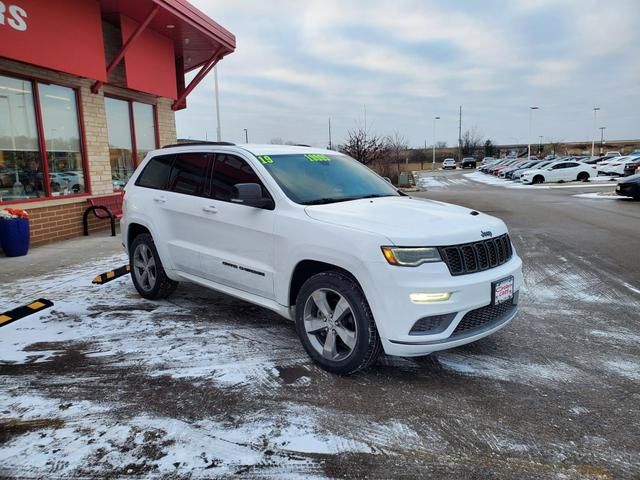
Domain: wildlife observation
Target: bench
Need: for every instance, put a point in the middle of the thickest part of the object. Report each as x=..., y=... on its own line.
x=107, y=206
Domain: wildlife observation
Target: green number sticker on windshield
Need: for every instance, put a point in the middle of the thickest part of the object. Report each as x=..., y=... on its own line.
x=265, y=159
x=317, y=157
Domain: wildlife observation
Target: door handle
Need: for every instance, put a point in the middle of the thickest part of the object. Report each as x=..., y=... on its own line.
x=210, y=209
x=160, y=199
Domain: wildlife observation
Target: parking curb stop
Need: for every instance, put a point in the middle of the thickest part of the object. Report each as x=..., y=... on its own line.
x=17, y=313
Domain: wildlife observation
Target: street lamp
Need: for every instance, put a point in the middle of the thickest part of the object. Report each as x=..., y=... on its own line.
x=602, y=129
x=433, y=162
x=531, y=109
x=540, y=145
x=593, y=138
x=246, y=135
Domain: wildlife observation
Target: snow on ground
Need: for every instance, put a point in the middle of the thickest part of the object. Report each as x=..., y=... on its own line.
x=600, y=196
x=428, y=181
x=204, y=386
x=500, y=182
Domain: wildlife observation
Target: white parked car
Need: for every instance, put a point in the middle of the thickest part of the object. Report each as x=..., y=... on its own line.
x=562, y=171
x=617, y=166
x=603, y=165
x=322, y=240
x=449, y=163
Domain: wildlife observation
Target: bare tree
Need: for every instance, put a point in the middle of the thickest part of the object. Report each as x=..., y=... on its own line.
x=489, y=148
x=365, y=147
x=419, y=155
x=471, y=140
x=397, y=143
x=555, y=146
x=277, y=141
x=441, y=144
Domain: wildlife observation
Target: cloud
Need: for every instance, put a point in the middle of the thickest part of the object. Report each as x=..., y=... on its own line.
x=298, y=63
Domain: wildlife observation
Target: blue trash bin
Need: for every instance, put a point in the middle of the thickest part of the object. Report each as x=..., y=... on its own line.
x=14, y=236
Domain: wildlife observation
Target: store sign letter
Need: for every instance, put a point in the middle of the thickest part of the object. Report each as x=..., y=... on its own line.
x=14, y=16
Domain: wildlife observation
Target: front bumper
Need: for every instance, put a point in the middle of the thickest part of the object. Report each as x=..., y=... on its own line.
x=396, y=315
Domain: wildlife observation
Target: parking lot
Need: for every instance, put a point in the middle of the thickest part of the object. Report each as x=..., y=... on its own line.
x=107, y=385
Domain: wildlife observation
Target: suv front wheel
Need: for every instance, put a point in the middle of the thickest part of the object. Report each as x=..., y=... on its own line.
x=335, y=324
x=147, y=272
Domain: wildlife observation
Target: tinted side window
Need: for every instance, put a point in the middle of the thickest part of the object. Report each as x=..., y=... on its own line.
x=229, y=170
x=571, y=165
x=156, y=173
x=189, y=174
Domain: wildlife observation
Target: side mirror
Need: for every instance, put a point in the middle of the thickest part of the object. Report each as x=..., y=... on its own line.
x=251, y=194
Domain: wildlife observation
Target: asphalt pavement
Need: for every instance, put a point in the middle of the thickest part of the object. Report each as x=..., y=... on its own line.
x=107, y=385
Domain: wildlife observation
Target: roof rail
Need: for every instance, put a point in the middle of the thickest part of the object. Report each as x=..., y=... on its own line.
x=189, y=144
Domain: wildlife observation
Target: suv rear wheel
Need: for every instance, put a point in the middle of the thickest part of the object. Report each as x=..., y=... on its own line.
x=147, y=272
x=335, y=324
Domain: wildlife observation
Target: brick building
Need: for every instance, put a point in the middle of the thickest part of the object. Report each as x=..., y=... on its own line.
x=87, y=88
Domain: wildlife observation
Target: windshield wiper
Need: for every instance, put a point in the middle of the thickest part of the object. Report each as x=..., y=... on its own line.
x=323, y=201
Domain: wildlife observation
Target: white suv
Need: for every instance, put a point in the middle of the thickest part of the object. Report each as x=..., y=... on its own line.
x=322, y=240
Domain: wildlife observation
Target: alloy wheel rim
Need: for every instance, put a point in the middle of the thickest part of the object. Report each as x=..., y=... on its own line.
x=330, y=324
x=144, y=267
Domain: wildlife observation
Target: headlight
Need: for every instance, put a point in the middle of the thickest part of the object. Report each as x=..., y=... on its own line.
x=410, y=256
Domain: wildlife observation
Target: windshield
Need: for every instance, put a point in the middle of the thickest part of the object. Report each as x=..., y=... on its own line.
x=318, y=178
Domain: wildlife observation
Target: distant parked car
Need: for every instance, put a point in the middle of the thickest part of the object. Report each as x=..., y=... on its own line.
x=633, y=167
x=508, y=172
x=601, y=167
x=468, y=162
x=560, y=172
x=629, y=187
x=449, y=163
x=617, y=167
x=486, y=160
x=613, y=153
x=518, y=173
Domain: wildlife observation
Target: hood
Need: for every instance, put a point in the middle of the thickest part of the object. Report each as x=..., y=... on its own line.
x=408, y=221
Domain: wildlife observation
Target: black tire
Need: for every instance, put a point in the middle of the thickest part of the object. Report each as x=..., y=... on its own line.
x=538, y=179
x=583, y=177
x=367, y=340
x=162, y=286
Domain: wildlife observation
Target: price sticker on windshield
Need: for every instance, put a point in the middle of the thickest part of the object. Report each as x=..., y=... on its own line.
x=317, y=157
x=265, y=159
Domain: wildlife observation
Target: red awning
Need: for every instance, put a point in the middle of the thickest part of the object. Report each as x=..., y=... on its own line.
x=195, y=36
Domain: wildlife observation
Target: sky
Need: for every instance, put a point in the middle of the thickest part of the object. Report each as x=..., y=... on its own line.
x=395, y=65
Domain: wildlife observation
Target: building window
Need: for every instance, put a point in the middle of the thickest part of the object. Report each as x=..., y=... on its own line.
x=40, y=155
x=62, y=139
x=21, y=173
x=145, y=129
x=131, y=131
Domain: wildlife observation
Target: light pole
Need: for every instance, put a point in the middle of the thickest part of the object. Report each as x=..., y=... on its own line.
x=531, y=109
x=433, y=161
x=593, y=138
x=602, y=129
x=218, y=128
x=246, y=135
x=540, y=145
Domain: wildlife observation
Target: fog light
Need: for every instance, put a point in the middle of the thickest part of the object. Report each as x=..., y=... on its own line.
x=429, y=297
